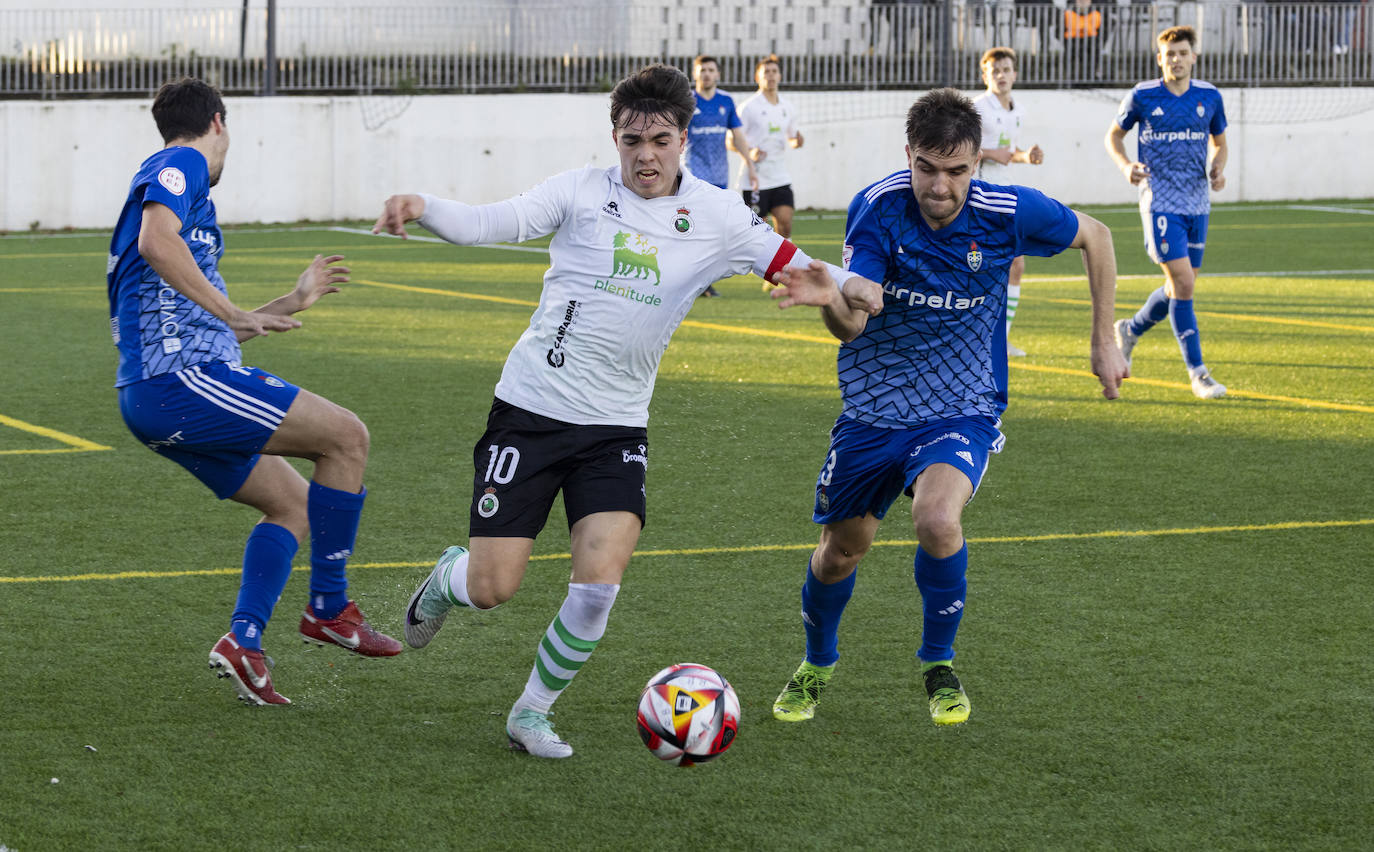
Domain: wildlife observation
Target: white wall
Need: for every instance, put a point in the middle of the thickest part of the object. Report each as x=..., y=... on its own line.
x=68, y=164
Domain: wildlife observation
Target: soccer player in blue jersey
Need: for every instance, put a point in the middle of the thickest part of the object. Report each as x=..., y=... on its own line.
x=1181, y=152
x=714, y=118
x=185, y=395
x=924, y=383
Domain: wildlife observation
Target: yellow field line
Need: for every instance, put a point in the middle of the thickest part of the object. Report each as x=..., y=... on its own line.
x=1366, y=329
x=456, y=294
x=807, y=338
x=1230, y=391
x=77, y=445
x=758, y=548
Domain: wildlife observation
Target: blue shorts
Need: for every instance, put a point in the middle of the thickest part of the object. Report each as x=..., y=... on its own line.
x=868, y=466
x=1169, y=236
x=212, y=419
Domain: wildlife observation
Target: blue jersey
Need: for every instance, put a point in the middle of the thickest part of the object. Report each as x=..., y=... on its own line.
x=156, y=329
x=938, y=349
x=705, y=155
x=1172, y=143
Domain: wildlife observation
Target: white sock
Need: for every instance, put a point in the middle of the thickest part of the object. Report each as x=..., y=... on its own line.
x=1013, y=298
x=455, y=579
x=569, y=641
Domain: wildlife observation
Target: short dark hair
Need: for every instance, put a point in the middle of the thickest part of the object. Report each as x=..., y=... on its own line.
x=992, y=54
x=185, y=108
x=770, y=59
x=655, y=91
x=1173, y=34
x=703, y=59
x=941, y=121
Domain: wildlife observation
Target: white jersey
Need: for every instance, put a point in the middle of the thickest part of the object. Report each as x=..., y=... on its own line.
x=1001, y=129
x=625, y=271
x=768, y=126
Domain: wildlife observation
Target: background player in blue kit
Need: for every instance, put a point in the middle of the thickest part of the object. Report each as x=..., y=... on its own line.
x=185, y=395
x=714, y=118
x=924, y=383
x=1182, y=126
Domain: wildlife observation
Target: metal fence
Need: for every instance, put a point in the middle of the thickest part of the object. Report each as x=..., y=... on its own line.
x=580, y=45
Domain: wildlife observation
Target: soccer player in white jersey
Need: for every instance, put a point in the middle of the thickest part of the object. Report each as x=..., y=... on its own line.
x=633, y=247
x=1181, y=154
x=1002, y=117
x=770, y=123
x=184, y=393
x=924, y=383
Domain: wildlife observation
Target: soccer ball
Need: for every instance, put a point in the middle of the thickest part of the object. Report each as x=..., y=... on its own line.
x=688, y=714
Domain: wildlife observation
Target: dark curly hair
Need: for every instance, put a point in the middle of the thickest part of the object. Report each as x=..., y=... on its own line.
x=654, y=91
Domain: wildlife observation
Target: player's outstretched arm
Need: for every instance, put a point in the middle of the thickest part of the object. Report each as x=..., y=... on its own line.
x=1099, y=259
x=319, y=279
x=845, y=309
x=396, y=212
x=161, y=245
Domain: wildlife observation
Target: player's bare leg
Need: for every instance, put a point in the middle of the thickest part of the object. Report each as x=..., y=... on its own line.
x=782, y=220
x=827, y=588
x=602, y=544
x=486, y=576
x=937, y=506
x=1180, y=280
x=337, y=442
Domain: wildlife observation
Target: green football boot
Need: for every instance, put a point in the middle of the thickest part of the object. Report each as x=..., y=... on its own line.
x=797, y=701
x=948, y=702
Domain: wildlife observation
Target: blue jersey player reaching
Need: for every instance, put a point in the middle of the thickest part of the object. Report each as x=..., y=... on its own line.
x=184, y=393
x=924, y=383
x=715, y=119
x=1181, y=142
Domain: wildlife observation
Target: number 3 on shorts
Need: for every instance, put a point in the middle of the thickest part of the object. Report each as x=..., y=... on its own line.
x=829, y=470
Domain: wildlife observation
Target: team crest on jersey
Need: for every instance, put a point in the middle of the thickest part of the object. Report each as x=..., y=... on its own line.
x=487, y=504
x=1201, y=111
x=682, y=221
x=633, y=256
x=974, y=256
x=612, y=209
x=173, y=179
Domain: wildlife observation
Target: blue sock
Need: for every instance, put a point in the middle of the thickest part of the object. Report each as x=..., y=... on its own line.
x=334, y=518
x=1184, y=321
x=943, y=587
x=1153, y=312
x=266, y=567
x=822, y=606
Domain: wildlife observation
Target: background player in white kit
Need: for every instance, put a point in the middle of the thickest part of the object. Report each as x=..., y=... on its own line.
x=770, y=124
x=1002, y=119
x=633, y=247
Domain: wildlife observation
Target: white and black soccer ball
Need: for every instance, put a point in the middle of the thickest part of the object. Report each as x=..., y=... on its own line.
x=688, y=714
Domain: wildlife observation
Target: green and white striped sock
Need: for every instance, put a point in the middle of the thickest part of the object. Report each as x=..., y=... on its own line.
x=569, y=641
x=1013, y=298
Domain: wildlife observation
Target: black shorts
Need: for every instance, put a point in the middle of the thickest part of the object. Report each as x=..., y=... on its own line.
x=766, y=200
x=524, y=459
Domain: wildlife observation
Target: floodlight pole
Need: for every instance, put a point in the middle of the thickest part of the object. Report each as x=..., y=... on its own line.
x=269, y=82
